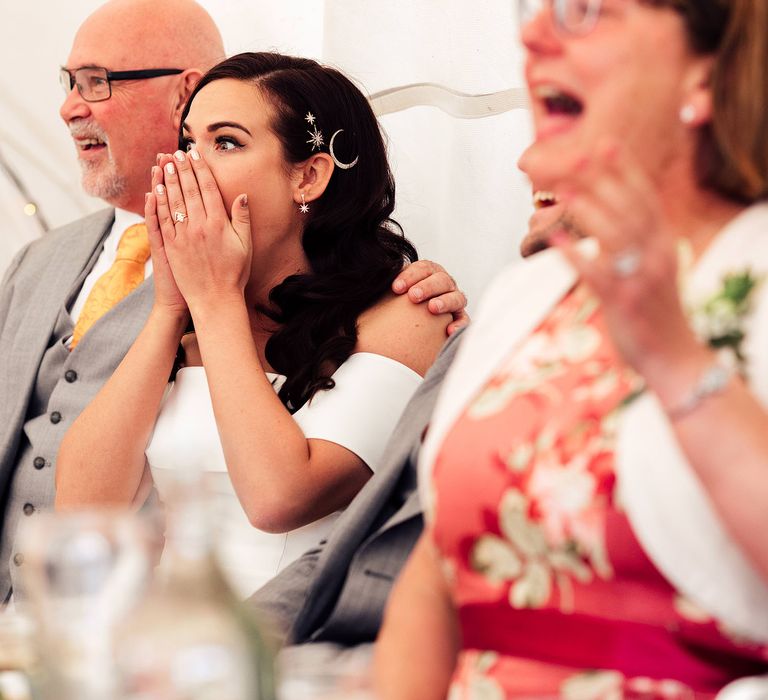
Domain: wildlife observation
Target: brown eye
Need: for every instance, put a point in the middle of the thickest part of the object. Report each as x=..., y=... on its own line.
x=227, y=143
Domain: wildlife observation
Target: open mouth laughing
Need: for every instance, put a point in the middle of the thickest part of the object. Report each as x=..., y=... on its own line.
x=89, y=144
x=89, y=139
x=555, y=109
x=542, y=199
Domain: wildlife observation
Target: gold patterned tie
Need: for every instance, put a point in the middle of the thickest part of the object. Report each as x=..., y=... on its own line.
x=126, y=273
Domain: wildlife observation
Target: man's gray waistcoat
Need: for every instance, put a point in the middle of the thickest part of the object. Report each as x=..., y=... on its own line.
x=43, y=386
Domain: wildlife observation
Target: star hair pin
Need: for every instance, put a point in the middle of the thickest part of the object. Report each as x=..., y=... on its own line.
x=315, y=136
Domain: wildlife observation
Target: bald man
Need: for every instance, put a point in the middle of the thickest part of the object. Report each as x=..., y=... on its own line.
x=132, y=67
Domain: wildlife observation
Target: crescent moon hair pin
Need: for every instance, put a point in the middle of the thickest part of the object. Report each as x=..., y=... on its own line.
x=343, y=166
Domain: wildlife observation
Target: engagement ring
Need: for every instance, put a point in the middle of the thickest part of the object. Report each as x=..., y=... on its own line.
x=180, y=217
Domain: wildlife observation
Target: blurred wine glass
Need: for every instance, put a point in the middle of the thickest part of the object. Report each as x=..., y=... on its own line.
x=83, y=570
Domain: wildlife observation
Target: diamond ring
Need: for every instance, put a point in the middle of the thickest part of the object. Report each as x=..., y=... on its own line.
x=179, y=217
x=626, y=263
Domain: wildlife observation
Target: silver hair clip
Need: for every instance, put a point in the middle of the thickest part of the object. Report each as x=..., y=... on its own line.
x=316, y=139
x=315, y=136
x=339, y=164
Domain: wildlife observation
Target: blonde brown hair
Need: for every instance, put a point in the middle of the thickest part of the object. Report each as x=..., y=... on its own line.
x=732, y=156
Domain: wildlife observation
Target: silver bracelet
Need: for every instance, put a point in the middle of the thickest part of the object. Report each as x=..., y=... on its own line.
x=713, y=380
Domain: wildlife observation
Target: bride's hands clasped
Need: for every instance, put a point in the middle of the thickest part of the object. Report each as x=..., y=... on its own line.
x=167, y=294
x=208, y=250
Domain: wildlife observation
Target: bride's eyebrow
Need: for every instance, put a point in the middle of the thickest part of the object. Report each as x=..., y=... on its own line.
x=220, y=125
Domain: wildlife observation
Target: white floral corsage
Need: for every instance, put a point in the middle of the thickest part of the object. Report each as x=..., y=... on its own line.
x=719, y=321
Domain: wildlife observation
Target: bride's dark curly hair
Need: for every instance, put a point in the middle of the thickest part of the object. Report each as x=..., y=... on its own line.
x=354, y=248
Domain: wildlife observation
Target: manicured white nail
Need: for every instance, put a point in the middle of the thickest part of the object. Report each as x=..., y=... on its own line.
x=169, y=168
x=160, y=189
x=179, y=155
x=194, y=154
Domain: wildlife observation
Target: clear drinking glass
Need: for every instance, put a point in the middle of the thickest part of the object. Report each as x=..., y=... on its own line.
x=17, y=649
x=190, y=638
x=83, y=570
x=17, y=654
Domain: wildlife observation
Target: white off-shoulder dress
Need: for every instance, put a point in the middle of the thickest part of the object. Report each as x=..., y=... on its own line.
x=359, y=413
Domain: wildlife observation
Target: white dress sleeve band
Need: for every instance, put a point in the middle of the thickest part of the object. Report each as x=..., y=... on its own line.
x=361, y=411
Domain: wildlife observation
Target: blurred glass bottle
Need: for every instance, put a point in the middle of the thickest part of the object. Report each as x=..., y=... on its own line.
x=190, y=638
x=82, y=570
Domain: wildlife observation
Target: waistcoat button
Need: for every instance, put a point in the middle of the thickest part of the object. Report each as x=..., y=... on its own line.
x=28, y=509
x=70, y=375
x=18, y=558
x=38, y=463
x=55, y=417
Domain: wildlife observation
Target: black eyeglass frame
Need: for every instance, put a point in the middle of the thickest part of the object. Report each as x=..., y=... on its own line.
x=143, y=74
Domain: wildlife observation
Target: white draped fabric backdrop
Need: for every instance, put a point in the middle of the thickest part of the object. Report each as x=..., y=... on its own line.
x=460, y=198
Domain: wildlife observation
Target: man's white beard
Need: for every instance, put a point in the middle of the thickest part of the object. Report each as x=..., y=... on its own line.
x=102, y=180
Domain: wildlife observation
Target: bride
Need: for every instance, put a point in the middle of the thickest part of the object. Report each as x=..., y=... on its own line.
x=272, y=230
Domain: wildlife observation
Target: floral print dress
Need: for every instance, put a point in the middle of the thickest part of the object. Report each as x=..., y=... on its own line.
x=555, y=597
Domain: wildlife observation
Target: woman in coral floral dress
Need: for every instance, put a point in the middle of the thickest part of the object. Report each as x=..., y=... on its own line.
x=594, y=476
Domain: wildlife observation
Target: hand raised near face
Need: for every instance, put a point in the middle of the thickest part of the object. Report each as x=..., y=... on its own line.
x=167, y=293
x=209, y=249
x=610, y=199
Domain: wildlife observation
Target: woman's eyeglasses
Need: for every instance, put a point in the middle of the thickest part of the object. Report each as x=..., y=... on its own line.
x=570, y=16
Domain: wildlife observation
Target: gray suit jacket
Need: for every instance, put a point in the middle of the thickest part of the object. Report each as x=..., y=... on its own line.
x=337, y=591
x=35, y=288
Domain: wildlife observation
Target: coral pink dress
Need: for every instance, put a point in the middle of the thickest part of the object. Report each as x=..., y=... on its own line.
x=554, y=595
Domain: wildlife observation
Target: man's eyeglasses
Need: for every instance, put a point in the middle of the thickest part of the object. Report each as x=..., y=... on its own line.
x=571, y=16
x=95, y=83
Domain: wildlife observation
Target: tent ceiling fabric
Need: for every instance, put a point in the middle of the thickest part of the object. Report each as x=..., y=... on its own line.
x=445, y=76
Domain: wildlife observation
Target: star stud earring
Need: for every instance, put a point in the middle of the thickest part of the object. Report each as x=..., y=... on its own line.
x=303, y=207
